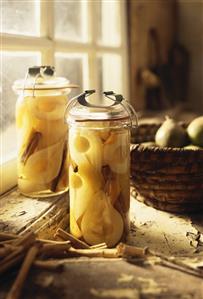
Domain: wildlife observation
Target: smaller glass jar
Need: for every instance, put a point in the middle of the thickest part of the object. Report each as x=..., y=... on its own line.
x=99, y=178
x=42, y=133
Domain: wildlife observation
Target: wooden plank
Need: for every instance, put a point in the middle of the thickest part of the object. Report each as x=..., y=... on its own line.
x=142, y=16
x=165, y=232
x=100, y=278
x=57, y=216
x=18, y=213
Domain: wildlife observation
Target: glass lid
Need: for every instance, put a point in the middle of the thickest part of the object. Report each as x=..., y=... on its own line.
x=82, y=113
x=81, y=110
x=42, y=78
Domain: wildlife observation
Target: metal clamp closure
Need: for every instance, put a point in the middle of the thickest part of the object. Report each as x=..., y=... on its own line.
x=43, y=71
x=115, y=98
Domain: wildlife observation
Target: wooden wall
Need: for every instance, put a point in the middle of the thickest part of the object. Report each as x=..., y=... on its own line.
x=190, y=34
x=143, y=15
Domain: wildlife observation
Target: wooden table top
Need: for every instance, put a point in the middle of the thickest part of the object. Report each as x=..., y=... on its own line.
x=166, y=233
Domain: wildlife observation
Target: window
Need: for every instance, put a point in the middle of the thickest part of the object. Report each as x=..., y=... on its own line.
x=84, y=39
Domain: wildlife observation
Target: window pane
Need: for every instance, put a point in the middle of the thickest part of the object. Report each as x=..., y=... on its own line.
x=71, y=20
x=75, y=68
x=8, y=75
x=21, y=17
x=109, y=26
x=110, y=73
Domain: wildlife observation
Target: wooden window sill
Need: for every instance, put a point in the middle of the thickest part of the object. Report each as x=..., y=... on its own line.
x=19, y=213
x=163, y=232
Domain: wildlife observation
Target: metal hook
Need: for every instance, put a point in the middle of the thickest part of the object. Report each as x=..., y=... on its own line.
x=43, y=71
x=126, y=106
x=26, y=76
x=35, y=81
x=82, y=97
x=119, y=97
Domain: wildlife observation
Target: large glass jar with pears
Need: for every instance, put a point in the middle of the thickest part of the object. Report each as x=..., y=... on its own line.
x=42, y=132
x=99, y=179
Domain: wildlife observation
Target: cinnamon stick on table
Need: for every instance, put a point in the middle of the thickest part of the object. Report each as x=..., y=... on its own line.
x=16, y=289
x=25, y=240
x=7, y=236
x=54, y=250
x=6, y=265
x=74, y=241
x=6, y=249
x=100, y=245
x=106, y=253
x=22, y=244
x=127, y=250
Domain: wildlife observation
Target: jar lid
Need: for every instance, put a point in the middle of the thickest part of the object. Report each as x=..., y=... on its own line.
x=42, y=78
x=80, y=110
x=82, y=113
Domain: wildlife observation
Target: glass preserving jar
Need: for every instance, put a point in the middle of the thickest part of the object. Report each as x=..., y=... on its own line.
x=42, y=133
x=99, y=179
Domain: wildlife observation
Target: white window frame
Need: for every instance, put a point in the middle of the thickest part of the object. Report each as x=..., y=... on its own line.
x=47, y=46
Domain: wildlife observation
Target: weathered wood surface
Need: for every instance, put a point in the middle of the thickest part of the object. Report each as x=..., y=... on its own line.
x=89, y=278
x=165, y=232
x=19, y=213
x=100, y=278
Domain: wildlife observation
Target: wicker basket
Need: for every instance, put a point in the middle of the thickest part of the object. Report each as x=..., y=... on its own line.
x=169, y=179
x=144, y=132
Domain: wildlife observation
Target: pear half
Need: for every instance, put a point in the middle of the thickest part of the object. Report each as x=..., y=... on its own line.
x=102, y=222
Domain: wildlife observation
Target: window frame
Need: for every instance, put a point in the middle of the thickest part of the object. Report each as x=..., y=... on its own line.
x=48, y=45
